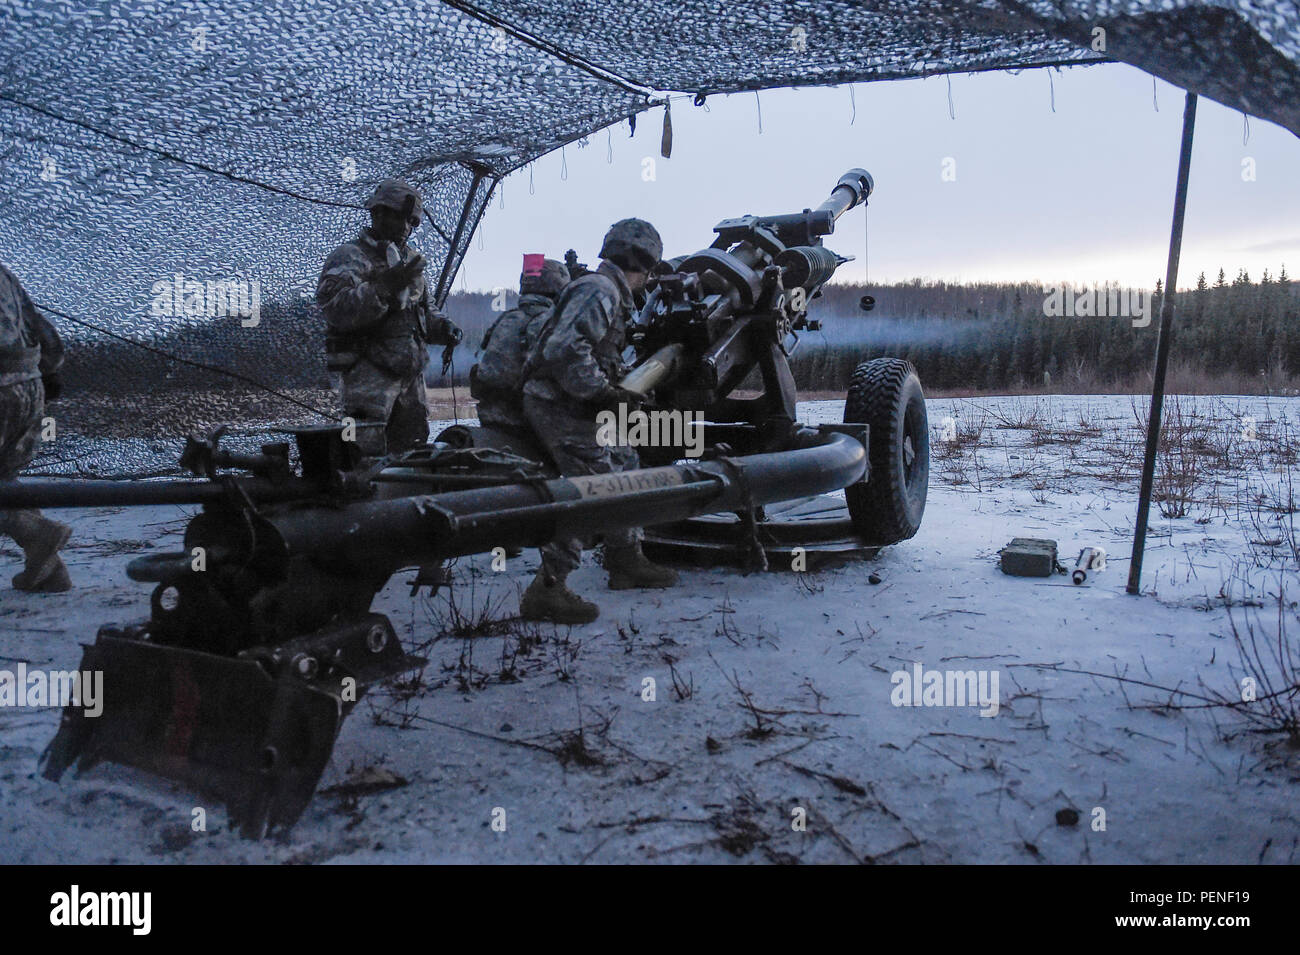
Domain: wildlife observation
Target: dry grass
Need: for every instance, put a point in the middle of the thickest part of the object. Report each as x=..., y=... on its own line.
x=1020, y=415
x=952, y=436
x=1213, y=456
x=1178, y=475
x=1268, y=693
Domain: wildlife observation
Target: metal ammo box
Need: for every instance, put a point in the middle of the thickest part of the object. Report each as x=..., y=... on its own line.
x=1029, y=557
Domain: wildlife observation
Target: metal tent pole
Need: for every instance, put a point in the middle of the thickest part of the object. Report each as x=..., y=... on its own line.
x=1162, y=348
x=454, y=257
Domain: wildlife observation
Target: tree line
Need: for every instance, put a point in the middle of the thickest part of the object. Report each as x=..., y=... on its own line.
x=1237, y=335
x=1232, y=336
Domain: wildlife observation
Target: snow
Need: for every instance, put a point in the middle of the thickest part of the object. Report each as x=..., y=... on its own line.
x=705, y=778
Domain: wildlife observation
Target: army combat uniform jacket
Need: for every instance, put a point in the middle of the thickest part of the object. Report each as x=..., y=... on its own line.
x=30, y=349
x=497, y=381
x=378, y=340
x=581, y=355
x=569, y=371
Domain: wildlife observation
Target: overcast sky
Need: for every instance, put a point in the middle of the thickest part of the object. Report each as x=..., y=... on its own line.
x=1082, y=194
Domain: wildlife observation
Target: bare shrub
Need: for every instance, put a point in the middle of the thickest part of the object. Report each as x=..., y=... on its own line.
x=1020, y=415
x=683, y=689
x=464, y=615
x=1270, y=656
x=1178, y=474
x=966, y=432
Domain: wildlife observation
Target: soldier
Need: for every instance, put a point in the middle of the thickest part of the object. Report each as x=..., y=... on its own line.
x=376, y=302
x=30, y=356
x=496, y=382
x=571, y=375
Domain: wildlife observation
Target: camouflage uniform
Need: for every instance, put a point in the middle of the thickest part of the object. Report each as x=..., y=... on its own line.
x=380, y=337
x=22, y=404
x=571, y=375
x=31, y=354
x=30, y=350
x=572, y=371
x=505, y=345
x=496, y=382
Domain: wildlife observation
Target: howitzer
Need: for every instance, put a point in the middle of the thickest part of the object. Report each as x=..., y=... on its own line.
x=713, y=317
x=261, y=636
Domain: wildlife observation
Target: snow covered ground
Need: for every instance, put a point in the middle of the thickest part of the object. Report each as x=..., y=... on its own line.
x=772, y=735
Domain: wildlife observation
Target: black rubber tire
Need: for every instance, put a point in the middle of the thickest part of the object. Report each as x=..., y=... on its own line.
x=886, y=395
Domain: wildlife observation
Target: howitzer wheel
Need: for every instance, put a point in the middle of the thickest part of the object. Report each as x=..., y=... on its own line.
x=885, y=394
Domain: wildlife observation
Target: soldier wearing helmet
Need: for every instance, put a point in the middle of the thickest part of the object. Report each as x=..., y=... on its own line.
x=497, y=382
x=31, y=353
x=571, y=374
x=379, y=320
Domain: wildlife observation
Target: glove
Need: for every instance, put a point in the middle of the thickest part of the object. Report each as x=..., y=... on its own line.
x=613, y=396
x=396, y=278
x=53, y=386
x=443, y=331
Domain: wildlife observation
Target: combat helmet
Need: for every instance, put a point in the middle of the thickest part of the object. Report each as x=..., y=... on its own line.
x=542, y=276
x=397, y=195
x=634, y=243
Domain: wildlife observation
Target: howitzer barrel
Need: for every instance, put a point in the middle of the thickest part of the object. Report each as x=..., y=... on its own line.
x=854, y=187
x=806, y=227
x=404, y=531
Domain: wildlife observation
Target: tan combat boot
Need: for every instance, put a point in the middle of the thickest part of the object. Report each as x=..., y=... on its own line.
x=40, y=538
x=629, y=569
x=547, y=598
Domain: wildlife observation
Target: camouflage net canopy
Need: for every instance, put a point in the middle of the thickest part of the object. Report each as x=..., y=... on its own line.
x=148, y=144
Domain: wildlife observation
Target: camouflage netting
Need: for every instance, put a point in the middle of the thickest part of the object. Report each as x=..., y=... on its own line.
x=141, y=141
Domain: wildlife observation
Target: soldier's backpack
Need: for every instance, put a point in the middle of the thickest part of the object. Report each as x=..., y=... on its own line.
x=535, y=361
x=499, y=374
